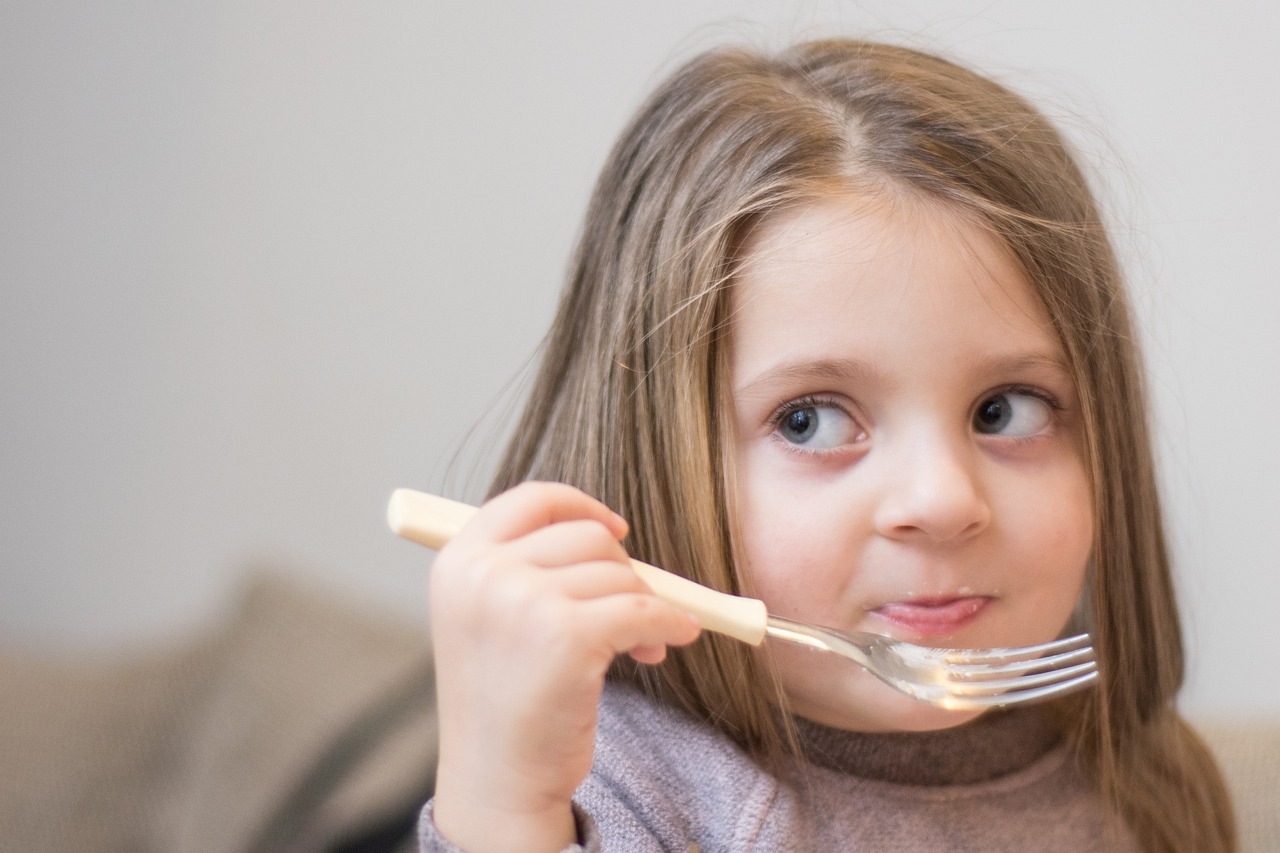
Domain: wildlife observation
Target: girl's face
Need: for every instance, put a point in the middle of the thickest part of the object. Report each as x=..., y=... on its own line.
x=908, y=446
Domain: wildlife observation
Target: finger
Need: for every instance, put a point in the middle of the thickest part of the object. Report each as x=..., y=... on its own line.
x=595, y=579
x=503, y=592
x=482, y=569
x=569, y=542
x=534, y=505
x=648, y=654
x=635, y=621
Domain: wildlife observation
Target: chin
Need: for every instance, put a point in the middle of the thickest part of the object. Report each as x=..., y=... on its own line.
x=878, y=708
x=930, y=718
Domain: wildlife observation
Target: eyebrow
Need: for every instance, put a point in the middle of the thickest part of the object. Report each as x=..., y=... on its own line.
x=1031, y=361
x=860, y=372
x=827, y=369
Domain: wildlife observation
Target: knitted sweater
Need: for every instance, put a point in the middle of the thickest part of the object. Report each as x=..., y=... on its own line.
x=663, y=782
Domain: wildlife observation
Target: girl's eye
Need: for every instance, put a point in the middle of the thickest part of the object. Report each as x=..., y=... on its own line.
x=1013, y=414
x=814, y=426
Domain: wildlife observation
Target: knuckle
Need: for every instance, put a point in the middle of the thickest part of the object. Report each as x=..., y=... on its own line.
x=601, y=538
x=646, y=607
x=541, y=490
x=548, y=625
x=625, y=581
x=478, y=579
x=528, y=488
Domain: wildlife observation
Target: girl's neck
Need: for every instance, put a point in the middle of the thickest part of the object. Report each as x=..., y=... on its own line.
x=993, y=745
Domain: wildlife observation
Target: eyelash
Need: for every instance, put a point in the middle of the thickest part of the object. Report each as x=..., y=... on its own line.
x=1029, y=391
x=806, y=402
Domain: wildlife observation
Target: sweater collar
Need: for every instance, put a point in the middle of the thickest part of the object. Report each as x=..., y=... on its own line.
x=993, y=745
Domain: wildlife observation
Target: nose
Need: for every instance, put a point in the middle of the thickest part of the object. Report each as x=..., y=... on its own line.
x=932, y=492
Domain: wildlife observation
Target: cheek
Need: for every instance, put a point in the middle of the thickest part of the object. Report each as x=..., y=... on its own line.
x=785, y=547
x=771, y=559
x=1058, y=539
x=1071, y=528
x=764, y=522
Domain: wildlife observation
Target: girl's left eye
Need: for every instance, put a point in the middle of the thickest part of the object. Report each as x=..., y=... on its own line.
x=813, y=425
x=1016, y=414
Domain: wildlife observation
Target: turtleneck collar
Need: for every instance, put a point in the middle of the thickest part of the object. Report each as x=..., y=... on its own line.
x=993, y=745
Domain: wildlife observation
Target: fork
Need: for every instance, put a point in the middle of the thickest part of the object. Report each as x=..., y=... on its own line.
x=959, y=679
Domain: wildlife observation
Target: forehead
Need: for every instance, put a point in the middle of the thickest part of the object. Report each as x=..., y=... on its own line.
x=885, y=278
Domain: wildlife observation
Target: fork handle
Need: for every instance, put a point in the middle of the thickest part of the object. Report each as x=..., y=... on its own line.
x=432, y=521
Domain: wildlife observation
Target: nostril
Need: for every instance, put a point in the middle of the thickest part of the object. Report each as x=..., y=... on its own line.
x=940, y=511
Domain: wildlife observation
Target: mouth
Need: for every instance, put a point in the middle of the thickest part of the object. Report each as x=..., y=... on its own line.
x=927, y=618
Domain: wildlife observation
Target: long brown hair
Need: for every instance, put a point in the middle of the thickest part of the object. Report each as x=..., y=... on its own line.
x=629, y=403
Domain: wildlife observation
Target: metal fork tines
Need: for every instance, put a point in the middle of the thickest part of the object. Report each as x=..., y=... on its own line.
x=957, y=678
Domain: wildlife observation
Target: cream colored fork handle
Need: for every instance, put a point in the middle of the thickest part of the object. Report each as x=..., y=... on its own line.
x=432, y=521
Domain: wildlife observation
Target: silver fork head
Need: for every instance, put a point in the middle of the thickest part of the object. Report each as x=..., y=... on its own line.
x=960, y=679
x=970, y=679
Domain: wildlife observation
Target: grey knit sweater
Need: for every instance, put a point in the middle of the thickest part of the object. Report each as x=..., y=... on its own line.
x=663, y=782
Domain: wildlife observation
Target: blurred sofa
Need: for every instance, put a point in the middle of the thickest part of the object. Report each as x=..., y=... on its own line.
x=303, y=724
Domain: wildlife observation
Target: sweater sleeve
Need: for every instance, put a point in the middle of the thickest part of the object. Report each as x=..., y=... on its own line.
x=431, y=841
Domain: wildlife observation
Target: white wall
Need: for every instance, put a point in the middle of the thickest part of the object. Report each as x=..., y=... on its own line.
x=261, y=263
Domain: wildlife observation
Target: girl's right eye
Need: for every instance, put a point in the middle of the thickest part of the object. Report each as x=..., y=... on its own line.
x=815, y=425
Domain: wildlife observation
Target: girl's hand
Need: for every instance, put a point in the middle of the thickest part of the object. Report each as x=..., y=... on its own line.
x=530, y=604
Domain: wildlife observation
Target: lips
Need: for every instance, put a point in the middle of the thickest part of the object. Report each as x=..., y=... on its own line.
x=933, y=617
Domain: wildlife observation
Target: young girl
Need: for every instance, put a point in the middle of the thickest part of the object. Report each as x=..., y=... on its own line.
x=844, y=332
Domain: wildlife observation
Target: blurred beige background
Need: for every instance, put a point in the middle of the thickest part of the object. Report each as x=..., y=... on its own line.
x=262, y=263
